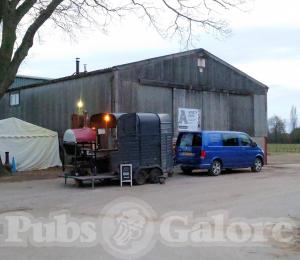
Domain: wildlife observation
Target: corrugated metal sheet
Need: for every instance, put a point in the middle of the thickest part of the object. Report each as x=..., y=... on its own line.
x=52, y=105
x=21, y=81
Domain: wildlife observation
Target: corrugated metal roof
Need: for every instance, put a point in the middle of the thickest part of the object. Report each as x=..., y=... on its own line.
x=95, y=72
x=22, y=81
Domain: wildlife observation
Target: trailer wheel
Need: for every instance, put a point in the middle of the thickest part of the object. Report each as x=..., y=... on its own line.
x=154, y=175
x=141, y=177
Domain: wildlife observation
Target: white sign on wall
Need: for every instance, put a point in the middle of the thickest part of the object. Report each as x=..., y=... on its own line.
x=189, y=119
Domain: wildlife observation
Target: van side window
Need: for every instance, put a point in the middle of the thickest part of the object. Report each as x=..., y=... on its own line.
x=245, y=140
x=230, y=140
x=214, y=140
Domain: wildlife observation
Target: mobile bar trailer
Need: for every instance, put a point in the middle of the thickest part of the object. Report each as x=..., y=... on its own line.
x=143, y=140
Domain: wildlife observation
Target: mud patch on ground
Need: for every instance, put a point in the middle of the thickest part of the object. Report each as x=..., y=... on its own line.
x=51, y=173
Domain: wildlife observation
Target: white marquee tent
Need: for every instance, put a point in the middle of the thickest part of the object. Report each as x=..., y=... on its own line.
x=33, y=147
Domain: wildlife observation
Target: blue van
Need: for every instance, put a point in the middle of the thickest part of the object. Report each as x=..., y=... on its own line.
x=217, y=150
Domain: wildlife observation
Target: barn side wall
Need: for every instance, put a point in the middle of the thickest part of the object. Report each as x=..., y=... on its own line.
x=220, y=111
x=52, y=105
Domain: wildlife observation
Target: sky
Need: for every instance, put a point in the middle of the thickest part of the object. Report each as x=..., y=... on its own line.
x=264, y=43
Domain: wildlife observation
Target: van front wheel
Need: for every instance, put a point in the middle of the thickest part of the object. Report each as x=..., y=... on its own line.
x=258, y=164
x=215, y=168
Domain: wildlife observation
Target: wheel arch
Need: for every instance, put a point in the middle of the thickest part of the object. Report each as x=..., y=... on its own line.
x=260, y=157
x=217, y=159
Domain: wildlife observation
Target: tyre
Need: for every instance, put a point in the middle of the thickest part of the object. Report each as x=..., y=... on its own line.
x=186, y=170
x=141, y=177
x=257, y=166
x=215, y=168
x=154, y=175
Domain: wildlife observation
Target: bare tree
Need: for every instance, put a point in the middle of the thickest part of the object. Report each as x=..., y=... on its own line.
x=293, y=118
x=277, y=129
x=20, y=20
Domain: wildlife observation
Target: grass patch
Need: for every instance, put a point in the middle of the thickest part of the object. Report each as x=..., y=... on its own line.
x=284, y=148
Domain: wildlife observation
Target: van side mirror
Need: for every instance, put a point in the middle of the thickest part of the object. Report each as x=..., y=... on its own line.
x=253, y=144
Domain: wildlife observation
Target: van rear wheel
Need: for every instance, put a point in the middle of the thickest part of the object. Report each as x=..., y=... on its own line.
x=215, y=168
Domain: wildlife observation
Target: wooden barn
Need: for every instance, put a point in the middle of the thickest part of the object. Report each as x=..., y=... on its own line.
x=228, y=98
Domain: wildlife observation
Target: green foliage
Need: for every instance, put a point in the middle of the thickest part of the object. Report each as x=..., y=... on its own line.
x=295, y=136
x=284, y=148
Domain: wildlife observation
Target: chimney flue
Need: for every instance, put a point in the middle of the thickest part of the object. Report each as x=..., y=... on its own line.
x=77, y=66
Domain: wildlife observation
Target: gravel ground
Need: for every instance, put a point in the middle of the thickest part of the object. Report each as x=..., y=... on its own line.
x=284, y=158
x=274, y=193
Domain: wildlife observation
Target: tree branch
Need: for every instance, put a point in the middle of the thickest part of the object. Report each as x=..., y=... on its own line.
x=23, y=9
x=190, y=19
x=27, y=41
x=26, y=44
